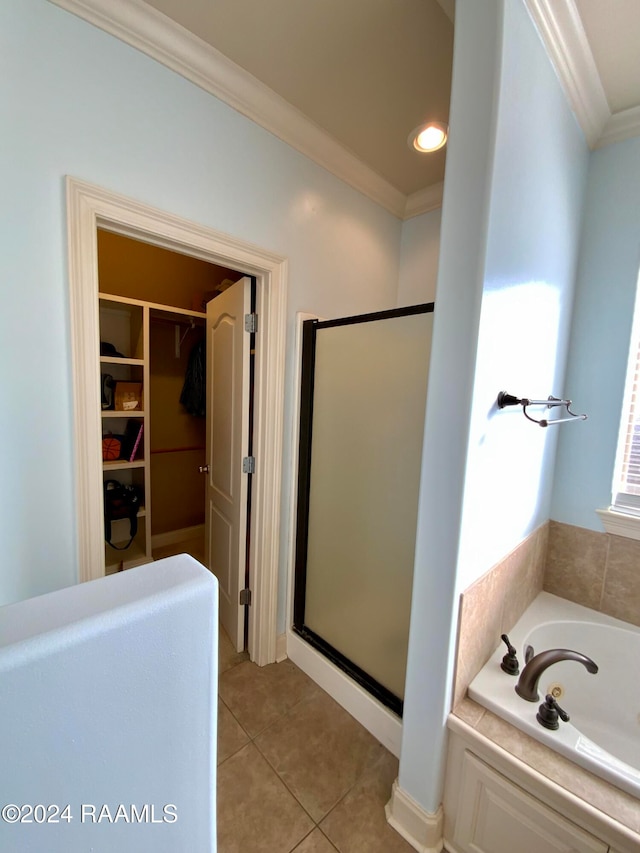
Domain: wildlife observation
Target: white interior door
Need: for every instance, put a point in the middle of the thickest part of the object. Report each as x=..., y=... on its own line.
x=227, y=441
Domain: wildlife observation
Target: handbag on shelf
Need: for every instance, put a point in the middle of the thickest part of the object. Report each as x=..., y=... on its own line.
x=121, y=501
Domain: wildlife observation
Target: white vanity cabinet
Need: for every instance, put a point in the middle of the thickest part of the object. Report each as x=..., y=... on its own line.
x=495, y=803
x=496, y=816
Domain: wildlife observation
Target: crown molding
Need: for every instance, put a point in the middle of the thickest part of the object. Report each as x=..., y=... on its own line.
x=560, y=27
x=423, y=201
x=156, y=35
x=622, y=125
x=565, y=40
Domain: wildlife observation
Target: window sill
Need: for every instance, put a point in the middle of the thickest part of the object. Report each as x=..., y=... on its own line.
x=620, y=523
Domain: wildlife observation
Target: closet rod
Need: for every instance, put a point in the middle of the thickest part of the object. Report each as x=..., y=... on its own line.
x=180, y=320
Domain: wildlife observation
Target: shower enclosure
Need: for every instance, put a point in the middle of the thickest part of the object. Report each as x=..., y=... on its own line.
x=363, y=400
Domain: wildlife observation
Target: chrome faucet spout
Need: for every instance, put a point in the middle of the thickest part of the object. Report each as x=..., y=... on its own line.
x=527, y=686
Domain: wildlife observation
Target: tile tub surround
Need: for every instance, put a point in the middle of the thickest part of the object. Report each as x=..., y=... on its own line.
x=598, y=570
x=493, y=604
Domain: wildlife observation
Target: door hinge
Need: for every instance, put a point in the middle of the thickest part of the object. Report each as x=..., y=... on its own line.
x=245, y=596
x=251, y=323
x=249, y=465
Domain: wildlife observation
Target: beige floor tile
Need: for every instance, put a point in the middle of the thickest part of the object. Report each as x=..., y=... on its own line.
x=231, y=735
x=319, y=751
x=316, y=842
x=358, y=822
x=256, y=813
x=228, y=657
x=259, y=695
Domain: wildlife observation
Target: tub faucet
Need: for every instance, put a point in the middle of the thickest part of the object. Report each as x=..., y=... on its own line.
x=527, y=685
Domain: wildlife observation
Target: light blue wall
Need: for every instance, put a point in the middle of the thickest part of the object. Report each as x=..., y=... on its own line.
x=540, y=170
x=516, y=169
x=419, y=251
x=605, y=295
x=476, y=72
x=75, y=101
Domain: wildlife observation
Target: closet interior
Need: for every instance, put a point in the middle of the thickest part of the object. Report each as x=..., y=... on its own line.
x=152, y=336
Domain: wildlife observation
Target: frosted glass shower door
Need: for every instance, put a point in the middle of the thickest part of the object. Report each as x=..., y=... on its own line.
x=362, y=422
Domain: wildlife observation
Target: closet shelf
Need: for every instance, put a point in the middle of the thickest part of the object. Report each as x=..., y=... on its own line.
x=155, y=307
x=178, y=449
x=137, y=362
x=111, y=413
x=133, y=556
x=121, y=465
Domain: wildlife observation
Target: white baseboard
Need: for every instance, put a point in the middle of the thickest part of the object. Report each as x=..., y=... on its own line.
x=383, y=725
x=421, y=829
x=172, y=537
x=281, y=647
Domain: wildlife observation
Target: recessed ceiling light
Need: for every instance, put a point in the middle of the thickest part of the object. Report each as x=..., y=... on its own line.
x=428, y=137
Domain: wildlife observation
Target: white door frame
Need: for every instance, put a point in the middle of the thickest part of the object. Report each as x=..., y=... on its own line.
x=90, y=207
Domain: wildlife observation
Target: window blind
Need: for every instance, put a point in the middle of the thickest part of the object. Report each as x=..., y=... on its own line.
x=626, y=484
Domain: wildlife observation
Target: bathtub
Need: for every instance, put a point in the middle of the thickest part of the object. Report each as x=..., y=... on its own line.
x=603, y=734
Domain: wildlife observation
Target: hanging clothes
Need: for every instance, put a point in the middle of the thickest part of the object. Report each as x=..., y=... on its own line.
x=194, y=390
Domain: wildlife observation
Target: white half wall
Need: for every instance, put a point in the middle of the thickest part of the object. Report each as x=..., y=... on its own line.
x=109, y=699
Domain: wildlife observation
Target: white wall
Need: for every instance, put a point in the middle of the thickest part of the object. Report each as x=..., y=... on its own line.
x=109, y=696
x=510, y=225
x=75, y=101
x=419, y=251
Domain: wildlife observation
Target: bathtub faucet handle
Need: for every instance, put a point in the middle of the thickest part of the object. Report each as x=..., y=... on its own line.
x=549, y=712
x=509, y=663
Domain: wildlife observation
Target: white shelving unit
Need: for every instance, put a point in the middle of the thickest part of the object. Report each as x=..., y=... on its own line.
x=124, y=323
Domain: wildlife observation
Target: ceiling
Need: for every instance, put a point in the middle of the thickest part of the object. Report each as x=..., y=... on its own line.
x=366, y=71
x=369, y=71
x=346, y=81
x=613, y=33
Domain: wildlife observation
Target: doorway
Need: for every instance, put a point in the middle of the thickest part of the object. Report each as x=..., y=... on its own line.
x=195, y=493
x=90, y=208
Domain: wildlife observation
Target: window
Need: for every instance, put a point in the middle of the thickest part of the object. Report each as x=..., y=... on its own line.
x=623, y=517
x=626, y=482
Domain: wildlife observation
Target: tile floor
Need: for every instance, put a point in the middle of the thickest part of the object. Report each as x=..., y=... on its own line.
x=296, y=773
